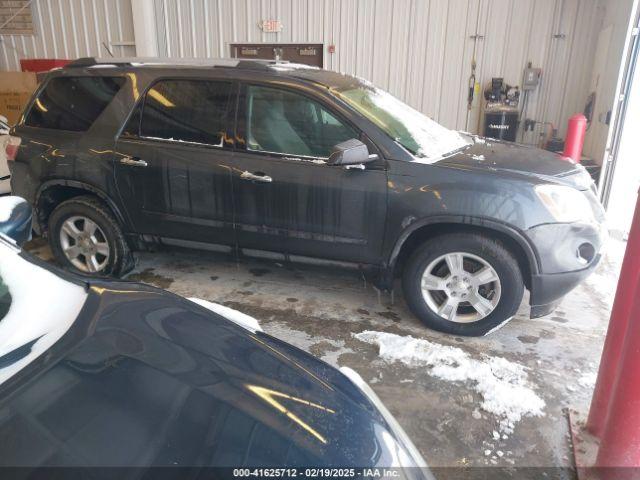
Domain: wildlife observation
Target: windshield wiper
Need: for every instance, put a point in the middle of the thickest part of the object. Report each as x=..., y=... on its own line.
x=457, y=150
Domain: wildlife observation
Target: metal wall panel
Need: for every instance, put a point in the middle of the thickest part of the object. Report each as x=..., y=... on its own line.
x=420, y=50
x=72, y=29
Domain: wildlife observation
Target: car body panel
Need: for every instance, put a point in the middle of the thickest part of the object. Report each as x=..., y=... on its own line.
x=308, y=207
x=500, y=155
x=183, y=191
x=144, y=378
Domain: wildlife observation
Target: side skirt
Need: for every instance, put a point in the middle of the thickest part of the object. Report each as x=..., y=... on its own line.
x=381, y=278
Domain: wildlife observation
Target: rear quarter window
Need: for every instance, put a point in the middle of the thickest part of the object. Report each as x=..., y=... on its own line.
x=72, y=103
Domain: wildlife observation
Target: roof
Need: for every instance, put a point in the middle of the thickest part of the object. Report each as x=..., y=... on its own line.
x=277, y=67
x=92, y=62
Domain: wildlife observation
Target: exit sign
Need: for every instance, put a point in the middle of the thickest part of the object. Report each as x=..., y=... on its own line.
x=270, y=26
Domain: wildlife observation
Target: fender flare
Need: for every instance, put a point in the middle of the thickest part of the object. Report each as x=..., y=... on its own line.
x=84, y=186
x=464, y=220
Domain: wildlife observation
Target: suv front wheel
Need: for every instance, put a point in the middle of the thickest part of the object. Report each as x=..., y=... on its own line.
x=85, y=237
x=463, y=284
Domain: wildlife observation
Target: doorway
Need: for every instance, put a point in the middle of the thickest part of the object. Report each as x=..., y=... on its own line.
x=621, y=179
x=305, y=53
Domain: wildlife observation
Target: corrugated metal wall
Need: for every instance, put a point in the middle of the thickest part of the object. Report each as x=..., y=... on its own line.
x=420, y=50
x=72, y=29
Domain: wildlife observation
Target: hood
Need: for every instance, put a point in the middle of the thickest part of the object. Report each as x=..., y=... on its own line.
x=487, y=154
x=177, y=384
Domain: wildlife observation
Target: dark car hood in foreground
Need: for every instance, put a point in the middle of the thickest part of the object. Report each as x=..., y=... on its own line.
x=146, y=378
x=487, y=154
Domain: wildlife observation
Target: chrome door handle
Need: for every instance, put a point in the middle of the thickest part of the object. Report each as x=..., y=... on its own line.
x=134, y=162
x=255, y=177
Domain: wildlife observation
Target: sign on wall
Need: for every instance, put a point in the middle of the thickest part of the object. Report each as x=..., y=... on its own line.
x=15, y=17
x=270, y=26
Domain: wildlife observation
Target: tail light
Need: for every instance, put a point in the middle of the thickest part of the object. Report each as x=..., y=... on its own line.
x=12, y=148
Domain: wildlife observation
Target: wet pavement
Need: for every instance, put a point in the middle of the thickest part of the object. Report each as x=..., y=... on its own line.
x=319, y=309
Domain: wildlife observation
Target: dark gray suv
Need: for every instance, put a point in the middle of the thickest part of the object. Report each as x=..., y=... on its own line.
x=305, y=164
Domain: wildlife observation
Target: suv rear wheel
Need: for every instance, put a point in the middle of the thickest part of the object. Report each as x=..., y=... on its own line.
x=463, y=284
x=85, y=237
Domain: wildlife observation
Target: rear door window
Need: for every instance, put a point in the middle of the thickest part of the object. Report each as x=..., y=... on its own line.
x=280, y=121
x=193, y=111
x=73, y=103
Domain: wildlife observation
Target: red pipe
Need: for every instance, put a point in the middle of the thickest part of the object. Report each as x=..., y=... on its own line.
x=620, y=443
x=576, y=130
x=618, y=329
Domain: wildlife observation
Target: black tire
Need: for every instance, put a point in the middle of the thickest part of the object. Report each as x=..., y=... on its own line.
x=491, y=251
x=120, y=259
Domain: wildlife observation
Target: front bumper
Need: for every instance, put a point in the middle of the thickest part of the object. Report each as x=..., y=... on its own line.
x=567, y=253
x=548, y=290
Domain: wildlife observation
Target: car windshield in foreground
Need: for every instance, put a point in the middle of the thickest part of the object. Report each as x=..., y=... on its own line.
x=36, y=309
x=420, y=135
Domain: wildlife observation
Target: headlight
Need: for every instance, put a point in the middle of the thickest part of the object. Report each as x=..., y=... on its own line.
x=565, y=204
x=583, y=179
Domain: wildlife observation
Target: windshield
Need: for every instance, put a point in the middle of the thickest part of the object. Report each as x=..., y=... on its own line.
x=36, y=310
x=416, y=132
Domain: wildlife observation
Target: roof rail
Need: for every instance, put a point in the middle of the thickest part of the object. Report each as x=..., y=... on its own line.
x=82, y=62
x=87, y=62
x=259, y=64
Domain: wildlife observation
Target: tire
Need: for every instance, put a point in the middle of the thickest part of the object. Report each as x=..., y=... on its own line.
x=107, y=244
x=482, y=258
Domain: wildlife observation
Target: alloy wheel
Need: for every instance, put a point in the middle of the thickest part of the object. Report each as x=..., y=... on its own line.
x=84, y=244
x=461, y=287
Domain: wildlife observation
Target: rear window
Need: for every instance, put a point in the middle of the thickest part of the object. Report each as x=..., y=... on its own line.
x=192, y=111
x=73, y=103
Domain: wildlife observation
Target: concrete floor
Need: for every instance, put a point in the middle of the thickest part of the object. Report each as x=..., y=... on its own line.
x=318, y=309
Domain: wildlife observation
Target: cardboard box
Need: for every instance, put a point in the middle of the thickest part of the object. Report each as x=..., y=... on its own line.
x=15, y=91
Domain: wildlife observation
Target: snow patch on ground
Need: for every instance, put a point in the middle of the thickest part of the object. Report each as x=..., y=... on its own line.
x=504, y=385
x=588, y=380
x=235, y=316
x=604, y=284
x=332, y=355
x=7, y=204
x=330, y=350
x=498, y=327
x=605, y=279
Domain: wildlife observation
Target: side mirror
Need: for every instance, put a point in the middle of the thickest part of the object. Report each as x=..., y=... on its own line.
x=350, y=152
x=15, y=219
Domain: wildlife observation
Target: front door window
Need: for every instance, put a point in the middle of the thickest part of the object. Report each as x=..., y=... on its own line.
x=279, y=121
